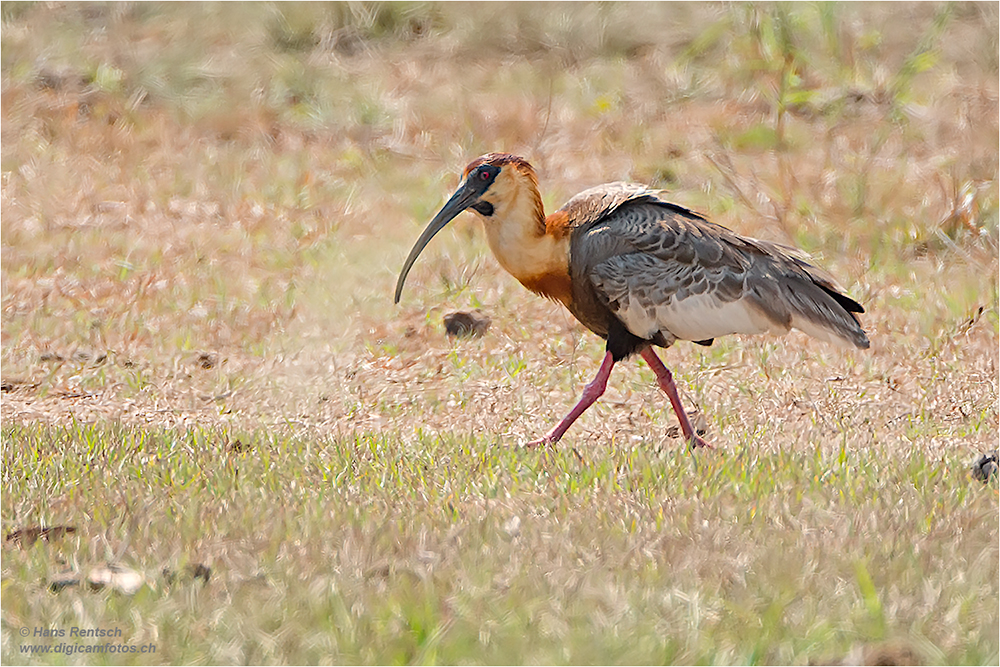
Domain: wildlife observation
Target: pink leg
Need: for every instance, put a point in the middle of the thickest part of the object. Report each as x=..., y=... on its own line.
x=666, y=381
x=591, y=393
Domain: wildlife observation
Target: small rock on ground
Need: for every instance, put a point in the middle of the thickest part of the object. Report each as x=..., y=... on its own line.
x=466, y=324
x=986, y=468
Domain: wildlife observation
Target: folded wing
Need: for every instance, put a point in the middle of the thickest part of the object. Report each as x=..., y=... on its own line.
x=666, y=272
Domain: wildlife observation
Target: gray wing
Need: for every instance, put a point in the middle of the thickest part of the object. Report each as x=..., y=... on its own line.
x=663, y=270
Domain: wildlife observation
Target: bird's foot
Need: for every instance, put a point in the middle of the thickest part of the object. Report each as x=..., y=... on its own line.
x=697, y=442
x=544, y=441
x=693, y=438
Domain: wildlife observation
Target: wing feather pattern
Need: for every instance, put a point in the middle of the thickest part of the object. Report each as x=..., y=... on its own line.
x=667, y=273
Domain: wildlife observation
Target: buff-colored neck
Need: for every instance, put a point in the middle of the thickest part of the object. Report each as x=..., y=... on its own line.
x=527, y=244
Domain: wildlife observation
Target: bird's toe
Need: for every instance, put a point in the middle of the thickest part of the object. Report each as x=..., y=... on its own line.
x=545, y=441
x=697, y=442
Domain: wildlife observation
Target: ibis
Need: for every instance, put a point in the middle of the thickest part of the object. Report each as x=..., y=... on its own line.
x=641, y=272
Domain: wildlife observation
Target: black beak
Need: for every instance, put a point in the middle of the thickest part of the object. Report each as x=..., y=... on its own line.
x=464, y=197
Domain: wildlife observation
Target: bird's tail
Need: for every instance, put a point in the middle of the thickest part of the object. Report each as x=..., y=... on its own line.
x=824, y=313
x=808, y=299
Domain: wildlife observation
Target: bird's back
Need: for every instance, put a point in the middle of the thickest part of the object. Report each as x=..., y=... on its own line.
x=667, y=273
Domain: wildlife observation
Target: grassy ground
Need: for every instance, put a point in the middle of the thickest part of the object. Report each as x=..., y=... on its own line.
x=204, y=210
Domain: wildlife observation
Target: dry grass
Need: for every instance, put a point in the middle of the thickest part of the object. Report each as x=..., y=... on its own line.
x=204, y=209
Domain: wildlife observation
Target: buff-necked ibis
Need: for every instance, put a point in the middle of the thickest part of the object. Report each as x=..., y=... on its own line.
x=639, y=271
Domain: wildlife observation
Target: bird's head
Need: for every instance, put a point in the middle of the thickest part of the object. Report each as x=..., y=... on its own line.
x=498, y=187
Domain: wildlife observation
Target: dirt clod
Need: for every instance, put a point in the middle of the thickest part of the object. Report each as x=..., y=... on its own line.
x=985, y=468
x=467, y=324
x=115, y=577
x=26, y=537
x=64, y=580
x=208, y=360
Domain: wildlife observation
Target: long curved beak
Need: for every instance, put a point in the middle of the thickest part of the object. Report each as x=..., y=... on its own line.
x=463, y=198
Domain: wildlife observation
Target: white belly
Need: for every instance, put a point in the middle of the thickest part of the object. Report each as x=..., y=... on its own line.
x=698, y=317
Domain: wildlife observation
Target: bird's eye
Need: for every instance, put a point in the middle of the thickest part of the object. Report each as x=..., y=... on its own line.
x=484, y=175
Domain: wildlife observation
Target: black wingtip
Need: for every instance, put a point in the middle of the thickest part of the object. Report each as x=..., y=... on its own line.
x=846, y=302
